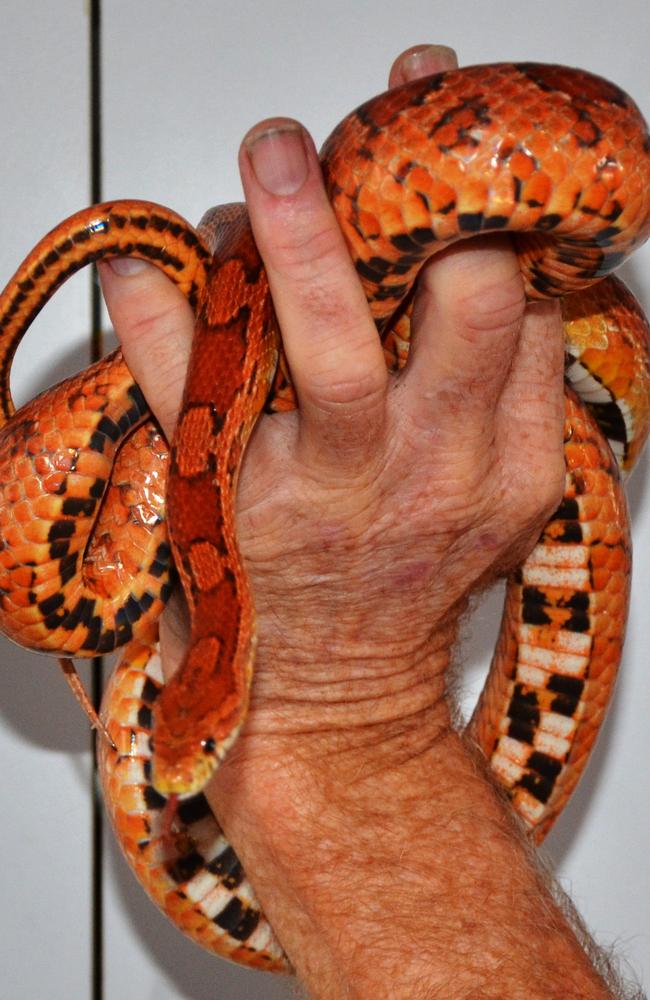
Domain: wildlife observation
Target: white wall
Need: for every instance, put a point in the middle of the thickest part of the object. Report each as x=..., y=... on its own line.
x=45, y=807
x=182, y=82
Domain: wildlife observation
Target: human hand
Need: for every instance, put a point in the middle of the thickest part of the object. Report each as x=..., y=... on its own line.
x=385, y=499
x=365, y=519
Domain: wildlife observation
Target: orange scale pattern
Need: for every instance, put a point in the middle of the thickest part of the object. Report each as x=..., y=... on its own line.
x=557, y=158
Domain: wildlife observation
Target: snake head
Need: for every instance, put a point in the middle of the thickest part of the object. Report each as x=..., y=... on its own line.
x=197, y=718
x=186, y=770
x=184, y=767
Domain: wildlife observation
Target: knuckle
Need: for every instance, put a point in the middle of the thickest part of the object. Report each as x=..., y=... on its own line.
x=358, y=393
x=317, y=272
x=479, y=287
x=161, y=334
x=308, y=251
x=492, y=309
x=145, y=324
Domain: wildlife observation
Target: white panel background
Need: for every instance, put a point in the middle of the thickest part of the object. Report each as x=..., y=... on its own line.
x=45, y=779
x=182, y=83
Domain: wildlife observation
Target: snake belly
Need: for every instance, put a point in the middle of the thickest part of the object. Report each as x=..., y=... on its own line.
x=556, y=157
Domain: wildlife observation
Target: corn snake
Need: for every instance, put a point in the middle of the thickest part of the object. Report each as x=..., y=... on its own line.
x=533, y=720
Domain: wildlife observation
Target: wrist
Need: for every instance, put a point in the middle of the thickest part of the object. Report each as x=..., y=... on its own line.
x=413, y=859
x=328, y=695
x=335, y=697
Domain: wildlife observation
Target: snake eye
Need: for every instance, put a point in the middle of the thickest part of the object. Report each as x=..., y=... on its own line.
x=209, y=746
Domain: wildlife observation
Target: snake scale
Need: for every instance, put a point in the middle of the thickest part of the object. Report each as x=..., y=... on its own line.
x=94, y=507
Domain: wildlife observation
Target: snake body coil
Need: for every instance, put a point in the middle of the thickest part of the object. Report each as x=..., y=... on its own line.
x=559, y=159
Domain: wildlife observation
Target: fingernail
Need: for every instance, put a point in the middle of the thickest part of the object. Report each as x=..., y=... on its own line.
x=427, y=59
x=126, y=266
x=278, y=157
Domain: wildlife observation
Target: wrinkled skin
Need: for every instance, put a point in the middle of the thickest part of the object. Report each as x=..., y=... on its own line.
x=366, y=517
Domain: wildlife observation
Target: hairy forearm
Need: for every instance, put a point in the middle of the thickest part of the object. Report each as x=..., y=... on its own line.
x=398, y=878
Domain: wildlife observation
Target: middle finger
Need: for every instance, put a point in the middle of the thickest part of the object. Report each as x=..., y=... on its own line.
x=330, y=340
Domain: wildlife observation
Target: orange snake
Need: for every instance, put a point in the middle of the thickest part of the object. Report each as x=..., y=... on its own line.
x=558, y=158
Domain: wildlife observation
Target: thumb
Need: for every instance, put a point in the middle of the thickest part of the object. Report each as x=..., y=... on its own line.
x=154, y=324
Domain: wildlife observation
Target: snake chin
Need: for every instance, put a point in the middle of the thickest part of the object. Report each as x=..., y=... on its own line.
x=188, y=773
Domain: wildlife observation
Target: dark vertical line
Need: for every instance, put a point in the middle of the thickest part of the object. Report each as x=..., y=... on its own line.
x=96, y=159
x=97, y=818
x=97, y=855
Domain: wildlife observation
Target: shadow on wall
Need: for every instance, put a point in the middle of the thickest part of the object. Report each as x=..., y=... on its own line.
x=568, y=829
x=37, y=704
